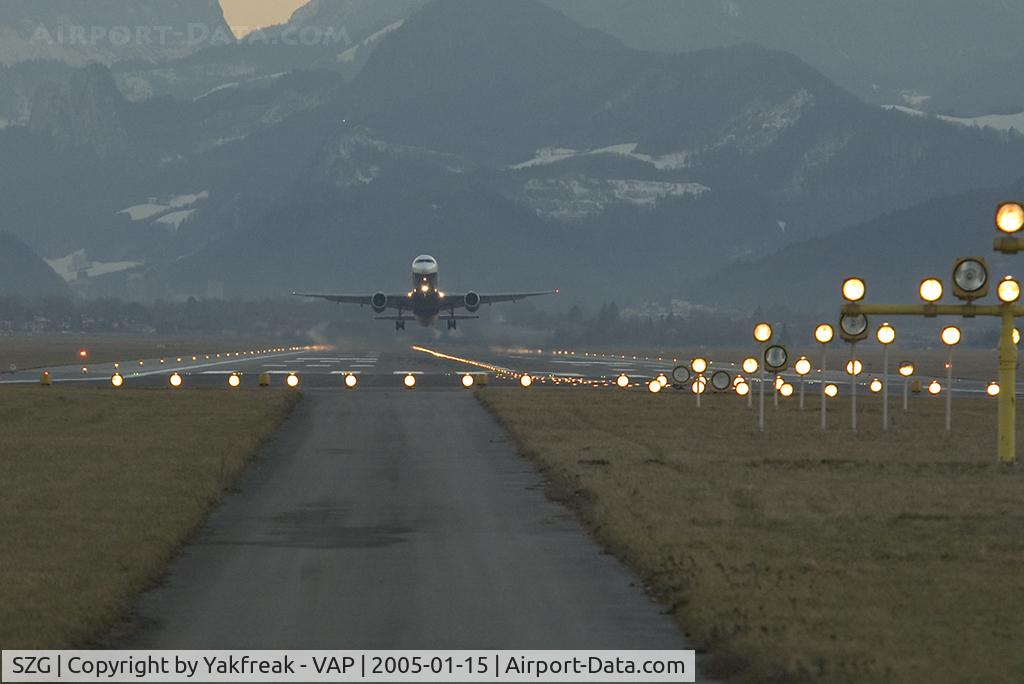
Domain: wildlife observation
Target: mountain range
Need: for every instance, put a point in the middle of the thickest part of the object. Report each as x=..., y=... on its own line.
x=481, y=132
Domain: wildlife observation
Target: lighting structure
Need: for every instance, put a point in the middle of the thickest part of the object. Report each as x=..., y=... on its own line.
x=779, y=382
x=623, y=380
x=234, y=381
x=1008, y=290
x=467, y=381
x=906, y=370
x=680, y=377
x=352, y=381
x=663, y=379
x=854, y=289
x=886, y=335
x=854, y=367
x=970, y=278
x=762, y=335
x=409, y=381
x=786, y=390
x=993, y=389
x=743, y=389
x=853, y=328
x=175, y=381
x=823, y=334
x=698, y=365
x=750, y=366
x=802, y=368
x=1009, y=221
x=934, y=387
x=292, y=380
x=950, y=337
x=526, y=380
x=117, y=380
x=930, y=290
x=720, y=381
x=876, y=385
x=654, y=386
x=831, y=391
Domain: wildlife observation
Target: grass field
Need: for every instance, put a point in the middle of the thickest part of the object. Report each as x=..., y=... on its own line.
x=99, y=489
x=797, y=555
x=50, y=350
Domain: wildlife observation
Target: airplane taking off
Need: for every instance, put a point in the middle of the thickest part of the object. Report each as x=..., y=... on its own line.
x=425, y=302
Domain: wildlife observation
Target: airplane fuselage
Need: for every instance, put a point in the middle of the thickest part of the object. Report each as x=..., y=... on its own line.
x=425, y=299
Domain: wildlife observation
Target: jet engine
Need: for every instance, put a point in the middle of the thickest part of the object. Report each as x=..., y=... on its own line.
x=379, y=302
x=472, y=301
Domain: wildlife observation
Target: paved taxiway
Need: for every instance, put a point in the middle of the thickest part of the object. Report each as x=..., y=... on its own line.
x=389, y=519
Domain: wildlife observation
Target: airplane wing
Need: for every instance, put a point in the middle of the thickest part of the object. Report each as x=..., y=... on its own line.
x=363, y=300
x=494, y=298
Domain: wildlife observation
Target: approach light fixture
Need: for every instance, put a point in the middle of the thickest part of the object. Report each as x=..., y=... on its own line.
x=853, y=328
x=906, y=369
x=993, y=389
x=742, y=388
x=831, y=391
x=802, y=366
x=1008, y=290
x=934, y=387
x=886, y=334
x=117, y=380
x=854, y=289
x=680, y=376
x=623, y=380
x=234, y=380
x=854, y=367
x=175, y=381
x=467, y=381
x=699, y=386
x=526, y=380
x=951, y=335
x=970, y=278
x=654, y=386
x=930, y=290
x=786, y=390
x=721, y=381
x=1010, y=217
x=762, y=332
x=292, y=380
x=351, y=380
x=663, y=379
x=775, y=357
x=824, y=333
x=750, y=365
x=699, y=365
x=875, y=386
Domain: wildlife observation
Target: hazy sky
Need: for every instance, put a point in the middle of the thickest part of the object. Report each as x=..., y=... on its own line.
x=246, y=15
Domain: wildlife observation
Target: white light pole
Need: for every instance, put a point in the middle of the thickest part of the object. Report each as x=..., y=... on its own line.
x=885, y=335
x=823, y=334
x=853, y=368
x=802, y=368
x=950, y=338
x=762, y=334
x=906, y=370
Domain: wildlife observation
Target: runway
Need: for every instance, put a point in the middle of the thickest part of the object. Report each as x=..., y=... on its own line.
x=389, y=519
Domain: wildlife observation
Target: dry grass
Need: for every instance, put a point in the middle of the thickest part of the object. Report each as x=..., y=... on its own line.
x=49, y=351
x=795, y=555
x=100, y=489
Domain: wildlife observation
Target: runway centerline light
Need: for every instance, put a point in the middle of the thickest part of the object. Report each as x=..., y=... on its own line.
x=292, y=380
x=1010, y=217
x=234, y=380
x=886, y=334
x=117, y=380
x=824, y=333
x=622, y=381
x=467, y=381
x=854, y=289
x=1008, y=290
x=802, y=366
x=527, y=380
x=906, y=369
x=762, y=332
x=930, y=290
x=831, y=391
x=176, y=380
x=750, y=365
x=951, y=335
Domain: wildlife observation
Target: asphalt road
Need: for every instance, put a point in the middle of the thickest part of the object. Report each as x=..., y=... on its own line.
x=390, y=519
